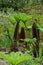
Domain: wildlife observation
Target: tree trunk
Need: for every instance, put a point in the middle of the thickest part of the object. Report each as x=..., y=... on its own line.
x=36, y=35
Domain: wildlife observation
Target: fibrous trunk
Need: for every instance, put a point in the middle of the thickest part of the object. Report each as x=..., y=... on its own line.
x=36, y=35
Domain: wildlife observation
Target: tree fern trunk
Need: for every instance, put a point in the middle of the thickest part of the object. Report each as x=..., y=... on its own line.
x=36, y=35
x=15, y=38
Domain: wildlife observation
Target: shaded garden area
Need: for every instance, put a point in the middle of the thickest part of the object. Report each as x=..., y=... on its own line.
x=21, y=32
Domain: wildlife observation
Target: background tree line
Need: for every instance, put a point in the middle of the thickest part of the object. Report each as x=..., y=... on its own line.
x=19, y=4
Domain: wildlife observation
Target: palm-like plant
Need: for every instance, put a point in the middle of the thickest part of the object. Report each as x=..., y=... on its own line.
x=17, y=18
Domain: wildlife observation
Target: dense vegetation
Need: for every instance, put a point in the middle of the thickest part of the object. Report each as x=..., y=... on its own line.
x=21, y=32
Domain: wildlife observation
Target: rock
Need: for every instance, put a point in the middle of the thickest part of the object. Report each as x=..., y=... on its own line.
x=3, y=62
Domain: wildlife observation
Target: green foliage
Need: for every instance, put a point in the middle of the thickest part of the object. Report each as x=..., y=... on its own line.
x=4, y=25
x=21, y=59
x=40, y=49
x=17, y=4
x=29, y=40
x=40, y=27
x=11, y=19
x=19, y=17
x=1, y=54
x=29, y=27
x=5, y=42
x=15, y=58
x=22, y=17
x=18, y=58
x=36, y=61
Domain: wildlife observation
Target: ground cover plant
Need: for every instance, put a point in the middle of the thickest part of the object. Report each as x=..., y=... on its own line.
x=11, y=58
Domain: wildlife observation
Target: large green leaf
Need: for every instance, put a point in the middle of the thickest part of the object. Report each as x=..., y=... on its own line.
x=29, y=27
x=11, y=19
x=29, y=40
x=16, y=58
x=22, y=17
x=39, y=27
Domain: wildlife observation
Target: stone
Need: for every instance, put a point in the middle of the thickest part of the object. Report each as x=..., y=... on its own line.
x=3, y=62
